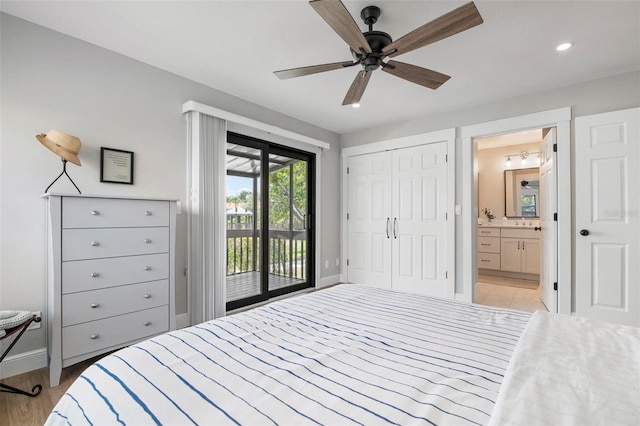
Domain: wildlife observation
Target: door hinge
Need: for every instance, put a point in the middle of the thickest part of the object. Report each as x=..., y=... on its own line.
x=555, y=217
x=446, y=274
x=347, y=170
x=446, y=216
x=347, y=216
x=555, y=147
x=555, y=286
x=446, y=158
x=347, y=262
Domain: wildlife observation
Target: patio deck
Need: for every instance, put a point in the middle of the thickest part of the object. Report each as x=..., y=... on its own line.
x=247, y=284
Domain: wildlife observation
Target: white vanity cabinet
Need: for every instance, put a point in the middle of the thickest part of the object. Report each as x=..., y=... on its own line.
x=489, y=248
x=111, y=278
x=519, y=250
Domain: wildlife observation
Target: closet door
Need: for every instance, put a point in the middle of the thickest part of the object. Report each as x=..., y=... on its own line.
x=369, y=219
x=419, y=219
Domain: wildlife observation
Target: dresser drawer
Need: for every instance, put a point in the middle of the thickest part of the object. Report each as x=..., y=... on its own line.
x=489, y=244
x=97, y=304
x=488, y=260
x=488, y=232
x=113, y=213
x=93, y=274
x=78, y=244
x=96, y=335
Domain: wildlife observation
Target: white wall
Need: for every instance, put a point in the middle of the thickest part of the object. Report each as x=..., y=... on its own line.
x=591, y=97
x=49, y=80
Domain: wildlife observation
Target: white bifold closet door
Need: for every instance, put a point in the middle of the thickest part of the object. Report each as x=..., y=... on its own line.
x=397, y=219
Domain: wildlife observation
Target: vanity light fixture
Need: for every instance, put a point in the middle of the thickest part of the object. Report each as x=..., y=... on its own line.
x=524, y=155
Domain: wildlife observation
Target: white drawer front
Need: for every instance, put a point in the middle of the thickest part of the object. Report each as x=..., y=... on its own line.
x=489, y=244
x=488, y=232
x=96, y=335
x=97, y=304
x=488, y=260
x=520, y=233
x=93, y=274
x=113, y=213
x=78, y=244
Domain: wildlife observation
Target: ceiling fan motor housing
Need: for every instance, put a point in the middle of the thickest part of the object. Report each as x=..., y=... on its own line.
x=377, y=40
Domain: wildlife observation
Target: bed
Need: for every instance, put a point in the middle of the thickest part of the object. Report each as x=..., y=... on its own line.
x=349, y=354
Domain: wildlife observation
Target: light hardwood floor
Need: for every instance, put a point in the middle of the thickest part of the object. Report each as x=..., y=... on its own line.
x=22, y=410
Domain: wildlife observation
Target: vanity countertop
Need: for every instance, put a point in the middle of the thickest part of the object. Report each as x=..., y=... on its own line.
x=500, y=225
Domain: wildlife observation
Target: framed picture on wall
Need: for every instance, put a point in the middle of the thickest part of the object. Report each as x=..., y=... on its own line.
x=116, y=166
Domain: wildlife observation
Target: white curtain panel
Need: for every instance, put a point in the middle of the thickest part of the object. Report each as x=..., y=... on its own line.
x=207, y=149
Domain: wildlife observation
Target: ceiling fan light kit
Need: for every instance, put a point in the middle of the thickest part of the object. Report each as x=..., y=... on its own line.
x=372, y=49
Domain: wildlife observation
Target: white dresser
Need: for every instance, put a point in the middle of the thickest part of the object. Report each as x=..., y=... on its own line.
x=111, y=278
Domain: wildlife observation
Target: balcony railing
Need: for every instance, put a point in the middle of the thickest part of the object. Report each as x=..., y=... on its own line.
x=287, y=252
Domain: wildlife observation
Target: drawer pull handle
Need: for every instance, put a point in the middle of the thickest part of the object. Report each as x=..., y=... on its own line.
x=95, y=305
x=147, y=295
x=94, y=336
x=95, y=274
x=148, y=241
x=147, y=213
x=95, y=212
x=95, y=243
x=484, y=244
x=147, y=323
x=485, y=260
x=147, y=268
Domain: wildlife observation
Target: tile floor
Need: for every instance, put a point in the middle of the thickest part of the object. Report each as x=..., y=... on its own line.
x=503, y=296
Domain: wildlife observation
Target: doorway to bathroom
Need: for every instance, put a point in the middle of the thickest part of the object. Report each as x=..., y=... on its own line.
x=516, y=234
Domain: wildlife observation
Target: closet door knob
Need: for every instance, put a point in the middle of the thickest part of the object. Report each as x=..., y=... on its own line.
x=147, y=268
x=95, y=212
x=148, y=241
x=95, y=274
x=147, y=213
x=395, y=231
x=95, y=305
x=584, y=232
x=147, y=295
x=387, y=227
x=95, y=243
x=94, y=336
x=147, y=323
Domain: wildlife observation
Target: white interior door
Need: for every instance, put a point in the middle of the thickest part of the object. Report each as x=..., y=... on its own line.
x=549, y=227
x=607, y=237
x=369, y=219
x=419, y=219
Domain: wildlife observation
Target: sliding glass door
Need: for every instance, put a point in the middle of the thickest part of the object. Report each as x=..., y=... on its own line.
x=273, y=185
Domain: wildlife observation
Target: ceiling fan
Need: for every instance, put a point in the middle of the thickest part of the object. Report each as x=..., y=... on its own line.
x=370, y=49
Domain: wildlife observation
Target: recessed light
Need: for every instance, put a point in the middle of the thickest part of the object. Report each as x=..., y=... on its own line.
x=563, y=46
x=356, y=105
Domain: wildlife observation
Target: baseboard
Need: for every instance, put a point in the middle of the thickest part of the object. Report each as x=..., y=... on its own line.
x=327, y=281
x=23, y=363
x=182, y=321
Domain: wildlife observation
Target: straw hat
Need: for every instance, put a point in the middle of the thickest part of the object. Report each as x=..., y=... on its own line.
x=66, y=146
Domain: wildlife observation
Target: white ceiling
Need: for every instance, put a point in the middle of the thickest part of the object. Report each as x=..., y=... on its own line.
x=234, y=46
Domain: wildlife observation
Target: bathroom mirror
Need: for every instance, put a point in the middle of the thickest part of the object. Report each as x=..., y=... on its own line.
x=522, y=193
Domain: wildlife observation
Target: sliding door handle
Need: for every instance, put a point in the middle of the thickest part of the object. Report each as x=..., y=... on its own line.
x=386, y=228
x=395, y=225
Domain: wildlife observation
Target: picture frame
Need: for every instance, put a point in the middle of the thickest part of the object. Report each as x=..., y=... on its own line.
x=116, y=166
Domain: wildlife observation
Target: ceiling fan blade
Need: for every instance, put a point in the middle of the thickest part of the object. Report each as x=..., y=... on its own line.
x=357, y=88
x=299, y=72
x=451, y=23
x=422, y=76
x=338, y=17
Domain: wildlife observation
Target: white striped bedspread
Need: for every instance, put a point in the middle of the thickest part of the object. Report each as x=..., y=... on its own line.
x=349, y=354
